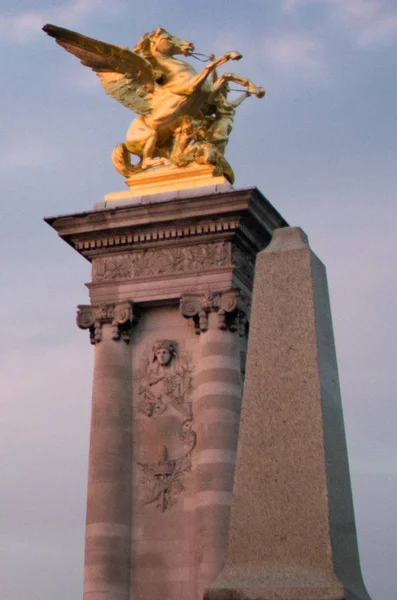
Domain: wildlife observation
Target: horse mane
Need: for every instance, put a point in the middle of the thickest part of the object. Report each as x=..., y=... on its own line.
x=142, y=47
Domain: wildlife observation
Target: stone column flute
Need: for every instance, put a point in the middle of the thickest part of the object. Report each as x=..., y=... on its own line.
x=216, y=416
x=108, y=522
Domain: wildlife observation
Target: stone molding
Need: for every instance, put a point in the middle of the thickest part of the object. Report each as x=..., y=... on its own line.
x=120, y=316
x=232, y=308
x=156, y=234
x=152, y=262
x=241, y=215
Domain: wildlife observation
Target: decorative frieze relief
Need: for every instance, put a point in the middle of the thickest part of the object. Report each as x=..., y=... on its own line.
x=152, y=262
x=166, y=438
x=231, y=308
x=120, y=316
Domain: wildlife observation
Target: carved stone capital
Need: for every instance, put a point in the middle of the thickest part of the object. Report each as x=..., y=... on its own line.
x=120, y=316
x=230, y=307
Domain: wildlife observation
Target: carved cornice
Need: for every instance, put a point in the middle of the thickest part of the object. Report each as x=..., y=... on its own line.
x=232, y=309
x=157, y=234
x=120, y=316
x=237, y=214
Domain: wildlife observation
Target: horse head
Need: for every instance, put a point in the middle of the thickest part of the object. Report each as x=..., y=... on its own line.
x=161, y=42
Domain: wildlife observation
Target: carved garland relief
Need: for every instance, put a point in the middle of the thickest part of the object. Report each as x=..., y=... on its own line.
x=164, y=418
x=152, y=262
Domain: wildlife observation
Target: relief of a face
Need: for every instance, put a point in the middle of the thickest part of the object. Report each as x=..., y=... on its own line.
x=163, y=356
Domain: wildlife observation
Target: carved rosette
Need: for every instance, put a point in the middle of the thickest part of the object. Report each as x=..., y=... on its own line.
x=120, y=315
x=231, y=307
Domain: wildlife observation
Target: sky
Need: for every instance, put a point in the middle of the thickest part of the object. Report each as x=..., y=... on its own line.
x=321, y=147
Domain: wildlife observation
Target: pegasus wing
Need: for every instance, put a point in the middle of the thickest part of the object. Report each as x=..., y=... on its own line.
x=125, y=76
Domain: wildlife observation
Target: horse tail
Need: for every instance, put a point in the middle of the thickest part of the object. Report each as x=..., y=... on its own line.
x=122, y=161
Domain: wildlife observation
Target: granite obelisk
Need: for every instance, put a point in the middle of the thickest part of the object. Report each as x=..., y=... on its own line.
x=292, y=532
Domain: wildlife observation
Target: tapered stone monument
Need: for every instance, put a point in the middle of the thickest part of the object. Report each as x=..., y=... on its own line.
x=292, y=532
x=194, y=489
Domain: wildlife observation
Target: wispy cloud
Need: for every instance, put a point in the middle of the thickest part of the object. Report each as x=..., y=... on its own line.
x=25, y=26
x=297, y=54
x=370, y=21
x=290, y=54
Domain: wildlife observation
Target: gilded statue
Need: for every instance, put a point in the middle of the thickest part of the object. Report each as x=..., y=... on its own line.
x=183, y=117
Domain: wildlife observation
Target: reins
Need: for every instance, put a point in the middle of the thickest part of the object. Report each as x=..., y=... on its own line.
x=206, y=58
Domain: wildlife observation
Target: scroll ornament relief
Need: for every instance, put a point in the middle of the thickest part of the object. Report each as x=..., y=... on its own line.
x=231, y=308
x=164, y=405
x=120, y=316
x=152, y=262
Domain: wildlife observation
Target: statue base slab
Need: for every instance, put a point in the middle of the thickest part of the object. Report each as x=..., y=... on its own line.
x=169, y=179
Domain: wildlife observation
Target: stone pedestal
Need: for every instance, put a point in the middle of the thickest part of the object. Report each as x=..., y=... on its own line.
x=167, y=517
x=292, y=533
x=170, y=302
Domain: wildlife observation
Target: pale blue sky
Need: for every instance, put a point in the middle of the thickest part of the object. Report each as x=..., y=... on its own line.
x=321, y=146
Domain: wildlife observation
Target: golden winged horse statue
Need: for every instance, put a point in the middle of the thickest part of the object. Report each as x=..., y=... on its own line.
x=183, y=117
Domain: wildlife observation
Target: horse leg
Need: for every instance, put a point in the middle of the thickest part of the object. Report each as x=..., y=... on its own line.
x=197, y=81
x=148, y=150
x=141, y=140
x=259, y=92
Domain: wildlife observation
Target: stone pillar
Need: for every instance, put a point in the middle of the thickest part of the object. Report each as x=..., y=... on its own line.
x=219, y=320
x=292, y=532
x=153, y=250
x=108, y=523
